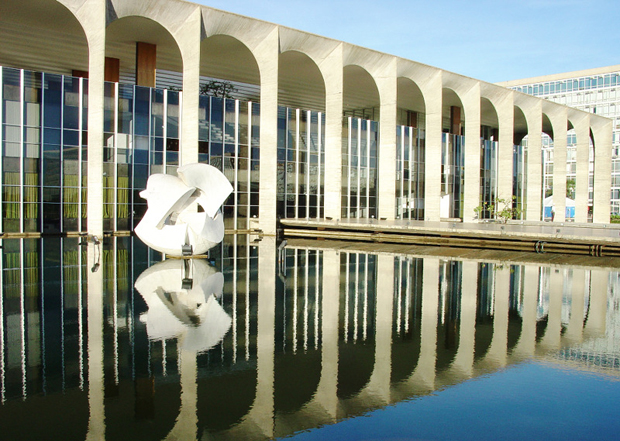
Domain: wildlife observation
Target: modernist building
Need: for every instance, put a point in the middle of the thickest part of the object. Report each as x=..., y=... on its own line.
x=97, y=95
x=594, y=90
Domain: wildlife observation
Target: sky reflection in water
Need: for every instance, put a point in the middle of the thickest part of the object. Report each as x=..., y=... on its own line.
x=259, y=342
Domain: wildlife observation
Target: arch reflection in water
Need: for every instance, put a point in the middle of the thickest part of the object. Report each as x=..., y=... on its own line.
x=251, y=349
x=182, y=298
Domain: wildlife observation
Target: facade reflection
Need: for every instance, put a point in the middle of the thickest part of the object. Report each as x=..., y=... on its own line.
x=260, y=341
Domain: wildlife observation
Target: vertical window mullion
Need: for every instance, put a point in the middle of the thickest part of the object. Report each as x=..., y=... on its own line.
x=349, y=160
x=319, y=175
x=21, y=148
x=115, y=161
x=249, y=171
x=2, y=193
x=412, y=164
x=359, y=167
x=236, y=172
x=80, y=149
x=368, y=145
x=297, y=159
x=308, y=161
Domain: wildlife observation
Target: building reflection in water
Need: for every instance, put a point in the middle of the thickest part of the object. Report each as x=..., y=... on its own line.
x=260, y=341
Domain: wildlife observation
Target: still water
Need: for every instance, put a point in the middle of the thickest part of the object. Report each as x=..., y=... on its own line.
x=262, y=341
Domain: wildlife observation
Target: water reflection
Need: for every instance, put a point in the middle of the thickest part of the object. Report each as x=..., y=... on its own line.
x=261, y=341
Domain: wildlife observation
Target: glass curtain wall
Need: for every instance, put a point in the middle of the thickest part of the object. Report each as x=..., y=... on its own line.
x=359, y=168
x=301, y=163
x=358, y=286
x=408, y=281
x=229, y=141
x=410, y=156
x=519, y=177
x=299, y=309
x=488, y=174
x=452, y=175
x=43, y=129
x=141, y=137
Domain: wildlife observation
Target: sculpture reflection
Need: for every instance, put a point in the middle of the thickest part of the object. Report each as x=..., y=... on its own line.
x=182, y=298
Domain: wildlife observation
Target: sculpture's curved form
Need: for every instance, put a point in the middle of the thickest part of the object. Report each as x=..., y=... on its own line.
x=172, y=223
x=182, y=297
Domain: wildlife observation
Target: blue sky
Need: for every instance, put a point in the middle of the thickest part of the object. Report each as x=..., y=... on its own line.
x=491, y=40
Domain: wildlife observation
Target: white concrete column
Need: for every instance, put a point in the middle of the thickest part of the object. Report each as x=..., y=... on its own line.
x=327, y=390
x=551, y=340
x=463, y=363
x=379, y=384
x=471, y=196
x=432, y=91
x=262, y=413
x=559, y=120
x=497, y=353
x=188, y=38
x=267, y=55
x=582, y=130
x=92, y=17
x=525, y=347
x=597, y=314
x=333, y=71
x=94, y=311
x=534, y=189
x=186, y=426
x=574, y=331
x=602, y=170
x=505, y=114
x=388, y=91
x=423, y=378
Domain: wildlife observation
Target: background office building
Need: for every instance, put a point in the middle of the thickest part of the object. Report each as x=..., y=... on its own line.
x=594, y=90
x=98, y=95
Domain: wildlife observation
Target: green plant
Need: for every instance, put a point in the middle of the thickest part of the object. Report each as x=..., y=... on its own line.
x=219, y=89
x=502, y=210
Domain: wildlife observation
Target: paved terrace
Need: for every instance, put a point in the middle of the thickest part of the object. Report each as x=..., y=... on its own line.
x=540, y=237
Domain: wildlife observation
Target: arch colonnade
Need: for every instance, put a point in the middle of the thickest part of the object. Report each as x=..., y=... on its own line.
x=286, y=67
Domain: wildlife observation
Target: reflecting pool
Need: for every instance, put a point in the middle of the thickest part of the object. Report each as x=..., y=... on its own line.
x=264, y=340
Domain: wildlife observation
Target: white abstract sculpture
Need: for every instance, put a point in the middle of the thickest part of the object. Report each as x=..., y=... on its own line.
x=172, y=223
x=182, y=297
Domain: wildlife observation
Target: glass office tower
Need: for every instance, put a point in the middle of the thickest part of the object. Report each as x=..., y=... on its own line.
x=596, y=91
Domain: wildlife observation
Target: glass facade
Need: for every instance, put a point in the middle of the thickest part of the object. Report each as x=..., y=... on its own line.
x=596, y=93
x=301, y=163
x=229, y=141
x=410, y=157
x=488, y=176
x=44, y=151
x=519, y=177
x=452, y=175
x=359, y=168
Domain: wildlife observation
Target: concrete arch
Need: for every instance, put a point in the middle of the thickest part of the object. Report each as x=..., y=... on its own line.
x=360, y=90
x=409, y=95
x=555, y=124
x=450, y=122
x=171, y=16
x=521, y=128
x=289, y=394
x=226, y=57
x=124, y=33
x=601, y=133
x=51, y=30
x=301, y=82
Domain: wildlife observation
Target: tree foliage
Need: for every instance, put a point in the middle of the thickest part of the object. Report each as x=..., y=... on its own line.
x=502, y=210
x=218, y=89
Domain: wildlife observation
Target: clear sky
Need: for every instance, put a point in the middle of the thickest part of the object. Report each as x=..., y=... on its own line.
x=491, y=40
